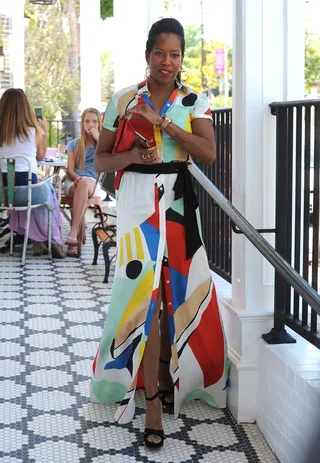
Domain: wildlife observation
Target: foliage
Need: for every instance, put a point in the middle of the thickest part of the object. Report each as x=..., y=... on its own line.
x=48, y=43
x=193, y=62
x=312, y=61
x=106, y=8
x=107, y=75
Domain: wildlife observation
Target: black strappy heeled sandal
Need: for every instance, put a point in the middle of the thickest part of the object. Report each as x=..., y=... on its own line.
x=165, y=393
x=153, y=432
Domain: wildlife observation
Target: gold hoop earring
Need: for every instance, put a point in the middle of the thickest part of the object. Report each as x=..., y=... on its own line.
x=147, y=72
x=185, y=73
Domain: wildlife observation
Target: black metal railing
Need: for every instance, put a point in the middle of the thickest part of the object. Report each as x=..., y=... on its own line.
x=216, y=225
x=61, y=131
x=282, y=267
x=107, y=185
x=297, y=215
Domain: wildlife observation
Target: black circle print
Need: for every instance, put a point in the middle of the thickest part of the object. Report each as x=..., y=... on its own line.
x=190, y=99
x=133, y=269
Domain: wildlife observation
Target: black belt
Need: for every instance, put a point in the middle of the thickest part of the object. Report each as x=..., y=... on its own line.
x=183, y=188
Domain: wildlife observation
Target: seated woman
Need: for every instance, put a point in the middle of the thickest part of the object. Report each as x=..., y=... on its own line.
x=21, y=133
x=81, y=181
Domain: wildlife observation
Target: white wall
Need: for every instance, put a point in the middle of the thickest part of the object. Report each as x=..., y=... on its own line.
x=288, y=411
x=14, y=55
x=268, y=65
x=132, y=30
x=90, y=53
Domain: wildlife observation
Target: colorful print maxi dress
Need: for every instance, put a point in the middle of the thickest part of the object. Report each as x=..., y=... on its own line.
x=152, y=239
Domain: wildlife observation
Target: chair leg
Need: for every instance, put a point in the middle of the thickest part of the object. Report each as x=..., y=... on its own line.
x=11, y=242
x=50, y=233
x=80, y=235
x=26, y=236
x=105, y=250
x=96, y=245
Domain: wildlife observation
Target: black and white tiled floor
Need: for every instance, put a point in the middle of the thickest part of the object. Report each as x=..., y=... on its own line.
x=51, y=318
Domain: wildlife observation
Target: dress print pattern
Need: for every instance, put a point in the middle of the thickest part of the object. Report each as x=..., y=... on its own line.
x=152, y=240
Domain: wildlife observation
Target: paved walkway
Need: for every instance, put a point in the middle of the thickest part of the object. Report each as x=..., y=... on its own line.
x=51, y=318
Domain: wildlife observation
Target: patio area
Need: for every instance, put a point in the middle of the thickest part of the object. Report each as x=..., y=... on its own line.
x=50, y=325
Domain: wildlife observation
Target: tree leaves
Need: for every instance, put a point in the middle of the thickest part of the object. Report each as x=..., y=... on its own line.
x=192, y=61
x=312, y=61
x=106, y=8
x=49, y=81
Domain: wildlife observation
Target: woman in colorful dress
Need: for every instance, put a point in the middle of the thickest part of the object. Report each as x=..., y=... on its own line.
x=81, y=178
x=21, y=133
x=162, y=270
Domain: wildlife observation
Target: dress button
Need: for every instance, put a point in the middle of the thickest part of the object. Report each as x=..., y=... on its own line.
x=168, y=281
x=169, y=303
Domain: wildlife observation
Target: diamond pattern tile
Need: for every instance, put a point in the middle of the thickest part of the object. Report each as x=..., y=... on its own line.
x=51, y=318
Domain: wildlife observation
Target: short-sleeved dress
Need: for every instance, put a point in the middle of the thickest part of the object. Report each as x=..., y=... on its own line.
x=151, y=240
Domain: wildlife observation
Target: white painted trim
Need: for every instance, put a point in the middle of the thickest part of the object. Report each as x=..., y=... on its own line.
x=235, y=358
x=244, y=316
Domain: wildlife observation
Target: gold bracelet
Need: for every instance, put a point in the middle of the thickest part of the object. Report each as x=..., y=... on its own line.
x=165, y=121
x=159, y=121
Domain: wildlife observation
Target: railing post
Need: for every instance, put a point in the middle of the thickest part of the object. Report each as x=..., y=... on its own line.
x=278, y=334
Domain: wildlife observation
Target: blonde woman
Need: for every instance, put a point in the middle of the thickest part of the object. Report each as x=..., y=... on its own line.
x=81, y=175
x=21, y=133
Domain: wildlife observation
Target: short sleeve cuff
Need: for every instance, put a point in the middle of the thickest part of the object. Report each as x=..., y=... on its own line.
x=111, y=117
x=71, y=146
x=201, y=108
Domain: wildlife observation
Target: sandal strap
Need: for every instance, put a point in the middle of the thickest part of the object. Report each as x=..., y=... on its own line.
x=153, y=397
x=71, y=241
x=154, y=432
x=166, y=362
x=166, y=392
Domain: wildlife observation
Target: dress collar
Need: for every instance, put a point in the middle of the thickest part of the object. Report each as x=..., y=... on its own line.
x=143, y=87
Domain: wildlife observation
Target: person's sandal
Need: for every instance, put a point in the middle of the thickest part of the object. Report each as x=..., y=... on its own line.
x=57, y=252
x=153, y=432
x=39, y=249
x=73, y=247
x=165, y=394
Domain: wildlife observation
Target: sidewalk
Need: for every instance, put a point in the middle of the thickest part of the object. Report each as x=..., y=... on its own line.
x=51, y=318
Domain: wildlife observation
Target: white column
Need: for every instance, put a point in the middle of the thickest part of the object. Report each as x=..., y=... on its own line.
x=18, y=44
x=132, y=23
x=14, y=54
x=267, y=52
x=294, y=13
x=90, y=53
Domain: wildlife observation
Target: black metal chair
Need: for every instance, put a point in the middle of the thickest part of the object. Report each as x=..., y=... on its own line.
x=104, y=234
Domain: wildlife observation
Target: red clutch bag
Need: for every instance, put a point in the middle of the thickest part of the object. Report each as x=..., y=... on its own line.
x=126, y=138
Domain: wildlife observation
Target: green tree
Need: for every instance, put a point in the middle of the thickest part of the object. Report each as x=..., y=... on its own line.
x=107, y=75
x=312, y=61
x=52, y=77
x=192, y=62
x=106, y=8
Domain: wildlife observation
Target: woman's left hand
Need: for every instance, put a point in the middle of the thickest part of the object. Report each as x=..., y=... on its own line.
x=146, y=112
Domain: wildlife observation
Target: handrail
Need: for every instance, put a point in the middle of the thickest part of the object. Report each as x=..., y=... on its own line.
x=221, y=110
x=275, y=259
x=292, y=104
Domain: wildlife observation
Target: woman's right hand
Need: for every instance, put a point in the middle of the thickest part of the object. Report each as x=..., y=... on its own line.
x=43, y=124
x=77, y=180
x=141, y=155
